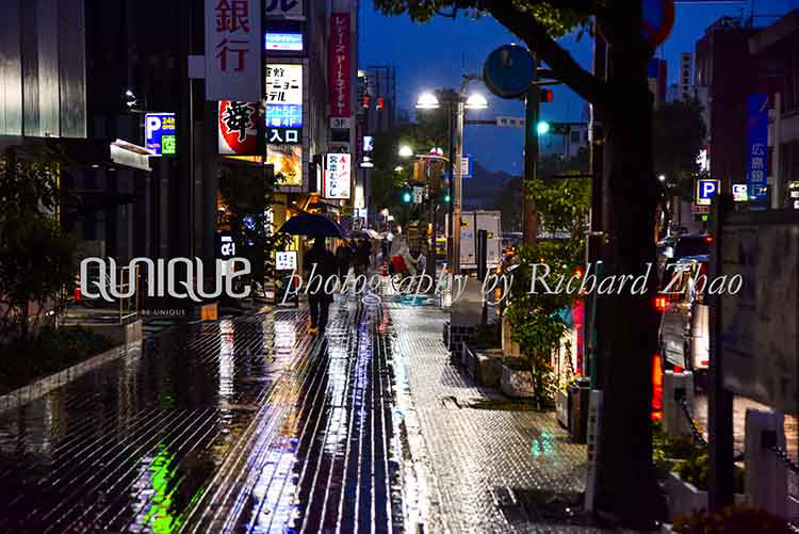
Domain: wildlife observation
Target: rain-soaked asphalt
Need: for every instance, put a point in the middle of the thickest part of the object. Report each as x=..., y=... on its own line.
x=245, y=425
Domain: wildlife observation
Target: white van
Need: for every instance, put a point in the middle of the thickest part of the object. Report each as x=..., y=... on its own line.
x=685, y=325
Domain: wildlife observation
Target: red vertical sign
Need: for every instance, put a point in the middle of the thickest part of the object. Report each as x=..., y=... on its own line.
x=339, y=55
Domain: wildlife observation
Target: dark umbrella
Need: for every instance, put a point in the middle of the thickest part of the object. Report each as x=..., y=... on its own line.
x=312, y=225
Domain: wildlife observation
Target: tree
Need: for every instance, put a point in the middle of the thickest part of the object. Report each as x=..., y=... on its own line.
x=429, y=131
x=36, y=256
x=246, y=193
x=626, y=486
x=678, y=134
x=537, y=317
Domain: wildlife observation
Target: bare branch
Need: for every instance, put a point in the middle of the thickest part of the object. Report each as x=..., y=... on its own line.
x=532, y=32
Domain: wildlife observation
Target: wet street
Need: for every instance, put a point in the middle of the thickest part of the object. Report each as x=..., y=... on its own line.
x=252, y=425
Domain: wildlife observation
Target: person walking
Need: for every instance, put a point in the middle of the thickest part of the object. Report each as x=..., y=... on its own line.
x=343, y=259
x=318, y=299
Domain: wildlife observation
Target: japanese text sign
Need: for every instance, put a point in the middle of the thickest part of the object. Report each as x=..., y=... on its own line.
x=756, y=147
x=337, y=175
x=233, y=44
x=284, y=103
x=238, y=130
x=339, y=55
x=283, y=8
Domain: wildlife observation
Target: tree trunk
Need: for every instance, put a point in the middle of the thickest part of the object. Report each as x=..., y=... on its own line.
x=627, y=489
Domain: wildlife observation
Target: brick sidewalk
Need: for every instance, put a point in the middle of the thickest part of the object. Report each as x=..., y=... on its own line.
x=478, y=470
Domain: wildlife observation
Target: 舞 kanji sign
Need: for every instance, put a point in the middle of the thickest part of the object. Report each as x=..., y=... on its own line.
x=238, y=128
x=232, y=49
x=339, y=54
x=283, y=103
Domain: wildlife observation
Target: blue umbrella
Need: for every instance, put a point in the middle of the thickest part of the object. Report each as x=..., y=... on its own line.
x=312, y=225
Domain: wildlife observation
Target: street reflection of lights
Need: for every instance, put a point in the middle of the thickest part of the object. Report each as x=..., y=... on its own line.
x=226, y=359
x=285, y=335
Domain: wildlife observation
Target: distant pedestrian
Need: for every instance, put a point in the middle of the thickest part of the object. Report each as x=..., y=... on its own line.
x=343, y=259
x=318, y=299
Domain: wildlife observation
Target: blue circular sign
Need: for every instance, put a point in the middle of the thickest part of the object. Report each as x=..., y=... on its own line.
x=509, y=70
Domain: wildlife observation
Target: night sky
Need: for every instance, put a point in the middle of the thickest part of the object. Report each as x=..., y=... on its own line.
x=434, y=55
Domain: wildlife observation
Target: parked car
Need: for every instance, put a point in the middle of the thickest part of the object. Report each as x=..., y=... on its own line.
x=685, y=324
x=674, y=248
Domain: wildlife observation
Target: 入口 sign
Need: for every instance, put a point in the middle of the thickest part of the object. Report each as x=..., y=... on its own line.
x=233, y=50
x=159, y=133
x=337, y=176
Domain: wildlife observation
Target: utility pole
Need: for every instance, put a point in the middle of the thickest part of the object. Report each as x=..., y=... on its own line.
x=531, y=106
x=458, y=179
x=595, y=236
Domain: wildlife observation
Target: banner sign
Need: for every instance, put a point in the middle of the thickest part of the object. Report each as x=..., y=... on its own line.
x=339, y=53
x=233, y=50
x=284, y=8
x=238, y=128
x=756, y=147
x=284, y=42
x=337, y=176
x=283, y=103
x=287, y=160
x=159, y=133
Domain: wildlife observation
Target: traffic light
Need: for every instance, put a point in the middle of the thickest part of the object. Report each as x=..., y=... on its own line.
x=547, y=95
x=381, y=102
x=542, y=127
x=407, y=197
x=447, y=198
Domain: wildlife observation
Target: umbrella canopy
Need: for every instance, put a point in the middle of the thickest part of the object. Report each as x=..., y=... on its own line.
x=366, y=233
x=312, y=225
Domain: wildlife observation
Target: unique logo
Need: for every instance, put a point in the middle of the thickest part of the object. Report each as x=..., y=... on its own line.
x=178, y=278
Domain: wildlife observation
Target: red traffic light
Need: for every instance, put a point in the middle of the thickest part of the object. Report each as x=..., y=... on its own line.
x=547, y=95
x=381, y=102
x=366, y=102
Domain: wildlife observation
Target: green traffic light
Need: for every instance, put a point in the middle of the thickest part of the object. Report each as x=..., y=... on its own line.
x=406, y=197
x=446, y=198
x=542, y=127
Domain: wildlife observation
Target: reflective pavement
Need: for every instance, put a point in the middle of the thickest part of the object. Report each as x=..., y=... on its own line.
x=252, y=425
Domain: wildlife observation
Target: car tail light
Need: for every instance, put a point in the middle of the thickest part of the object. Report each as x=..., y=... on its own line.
x=660, y=303
x=678, y=369
x=705, y=363
x=708, y=239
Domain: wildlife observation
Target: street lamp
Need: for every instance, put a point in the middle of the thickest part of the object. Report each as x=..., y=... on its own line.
x=476, y=101
x=427, y=100
x=662, y=177
x=398, y=168
x=405, y=151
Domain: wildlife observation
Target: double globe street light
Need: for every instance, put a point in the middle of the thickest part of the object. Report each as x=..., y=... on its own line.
x=457, y=106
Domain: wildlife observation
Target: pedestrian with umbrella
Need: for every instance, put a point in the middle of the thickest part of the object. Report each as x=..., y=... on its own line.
x=318, y=227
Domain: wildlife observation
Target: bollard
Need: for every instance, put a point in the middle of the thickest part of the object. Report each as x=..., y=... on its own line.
x=677, y=386
x=766, y=479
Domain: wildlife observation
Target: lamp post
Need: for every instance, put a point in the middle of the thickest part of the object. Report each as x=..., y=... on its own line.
x=457, y=106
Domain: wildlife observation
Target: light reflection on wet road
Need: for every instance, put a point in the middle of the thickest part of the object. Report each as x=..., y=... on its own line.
x=131, y=445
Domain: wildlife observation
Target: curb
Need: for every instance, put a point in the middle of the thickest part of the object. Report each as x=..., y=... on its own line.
x=43, y=386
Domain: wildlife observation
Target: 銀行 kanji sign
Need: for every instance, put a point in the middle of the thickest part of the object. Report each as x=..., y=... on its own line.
x=232, y=49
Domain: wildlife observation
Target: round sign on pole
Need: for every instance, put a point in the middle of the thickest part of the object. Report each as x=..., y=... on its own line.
x=658, y=20
x=509, y=70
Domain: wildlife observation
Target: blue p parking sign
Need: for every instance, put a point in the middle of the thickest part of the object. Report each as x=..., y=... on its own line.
x=706, y=189
x=159, y=133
